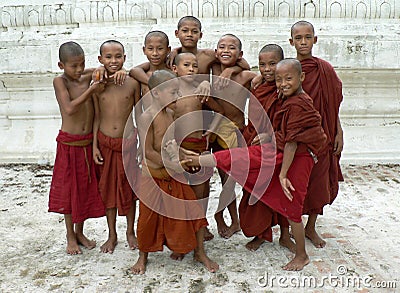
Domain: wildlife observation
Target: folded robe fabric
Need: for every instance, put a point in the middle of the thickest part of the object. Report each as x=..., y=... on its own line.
x=325, y=88
x=74, y=188
x=297, y=121
x=168, y=213
x=263, y=104
x=114, y=186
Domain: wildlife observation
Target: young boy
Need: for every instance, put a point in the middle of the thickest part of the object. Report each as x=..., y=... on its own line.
x=299, y=136
x=156, y=48
x=73, y=190
x=233, y=100
x=325, y=88
x=190, y=126
x=163, y=217
x=112, y=109
x=257, y=219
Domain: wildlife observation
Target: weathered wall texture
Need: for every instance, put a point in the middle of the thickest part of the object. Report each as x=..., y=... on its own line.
x=361, y=39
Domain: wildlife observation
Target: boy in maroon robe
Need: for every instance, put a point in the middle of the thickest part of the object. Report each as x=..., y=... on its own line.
x=323, y=85
x=299, y=137
x=257, y=219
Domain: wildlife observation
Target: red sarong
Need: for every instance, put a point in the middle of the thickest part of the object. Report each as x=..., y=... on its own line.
x=114, y=186
x=165, y=216
x=325, y=88
x=74, y=188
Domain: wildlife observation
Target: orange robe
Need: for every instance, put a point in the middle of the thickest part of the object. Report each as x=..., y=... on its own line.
x=297, y=121
x=256, y=219
x=169, y=213
x=114, y=186
x=325, y=88
x=74, y=188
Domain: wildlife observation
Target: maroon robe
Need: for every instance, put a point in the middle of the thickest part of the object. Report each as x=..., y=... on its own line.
x=297, y=121
x=325, y=88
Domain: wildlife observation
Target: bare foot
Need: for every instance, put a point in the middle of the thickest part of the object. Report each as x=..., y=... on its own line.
x=177, y=256
x=139, y=268
x=297, y=264
x=315, y=238
x=109, y=245
x=132, y=240
x=210, y=265
x=288, y=243
x=222, y=228
x=208, y=235
x=82, y=240
x=232, y=229
x=254, y=244
x=72, y=245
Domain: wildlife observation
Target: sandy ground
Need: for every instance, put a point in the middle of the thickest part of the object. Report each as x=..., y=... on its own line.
x=360, y=229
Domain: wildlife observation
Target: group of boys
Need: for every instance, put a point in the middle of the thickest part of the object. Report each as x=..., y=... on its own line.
x=89, y=178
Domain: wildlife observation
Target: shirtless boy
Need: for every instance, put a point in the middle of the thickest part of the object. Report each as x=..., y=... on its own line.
x=155, y=229
x=112, y=109
x=73, y=190
x=233, y=100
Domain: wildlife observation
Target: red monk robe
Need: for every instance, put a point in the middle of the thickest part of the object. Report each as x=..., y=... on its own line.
x=257, y=219
x=166, y=216
x=74, y=188
x=325, y=88
x=114, y=186
x=297, y=121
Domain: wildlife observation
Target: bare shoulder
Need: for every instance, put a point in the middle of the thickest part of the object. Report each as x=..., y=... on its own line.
x=59, y=82
x=208, y=54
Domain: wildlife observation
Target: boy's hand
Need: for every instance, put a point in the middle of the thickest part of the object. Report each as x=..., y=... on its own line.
x=97, y=157
x=338, y=143
x=286, y=187
x=170, y=58
x=99, y=74
x=119, y=76
x=256, y=81
x=203, y=91
x=261, y=138
x=224, y=78
x=97, y=87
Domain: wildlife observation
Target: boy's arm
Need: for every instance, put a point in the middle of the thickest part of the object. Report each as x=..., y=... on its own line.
x=139, y=72
x=171, y=56
x=68, y=105
x=97, y=157
x=338, y=143
x=146, y=134
x=288, y=156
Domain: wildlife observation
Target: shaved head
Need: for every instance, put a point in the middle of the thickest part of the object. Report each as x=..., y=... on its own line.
x=301, y=23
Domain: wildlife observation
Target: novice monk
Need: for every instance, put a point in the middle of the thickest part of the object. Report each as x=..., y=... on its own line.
x=257, y=219
x=190, y=126
x=233, y=100
x=325, y=88
x=163, y=215
x=73, y=190
x=112, y=109
x=299, y=136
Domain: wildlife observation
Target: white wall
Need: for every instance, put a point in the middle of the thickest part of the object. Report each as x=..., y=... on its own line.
x=362, y=41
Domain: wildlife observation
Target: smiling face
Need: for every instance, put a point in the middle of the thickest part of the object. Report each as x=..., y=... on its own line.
x=189, y=33
x=73, y=66
x=267, y=62
x=112, y=57
x=288, y=79
x=156, y=50
x=303, y=40
x=228, y=50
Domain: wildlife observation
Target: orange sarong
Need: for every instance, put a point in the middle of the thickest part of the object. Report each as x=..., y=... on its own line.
x=159, y=191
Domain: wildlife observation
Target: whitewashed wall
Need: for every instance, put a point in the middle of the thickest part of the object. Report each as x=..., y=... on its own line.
x=360, y=38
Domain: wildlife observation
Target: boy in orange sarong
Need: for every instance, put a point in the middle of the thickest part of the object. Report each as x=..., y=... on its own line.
x=299, y=137
x=73, y=190
x=169, y=213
